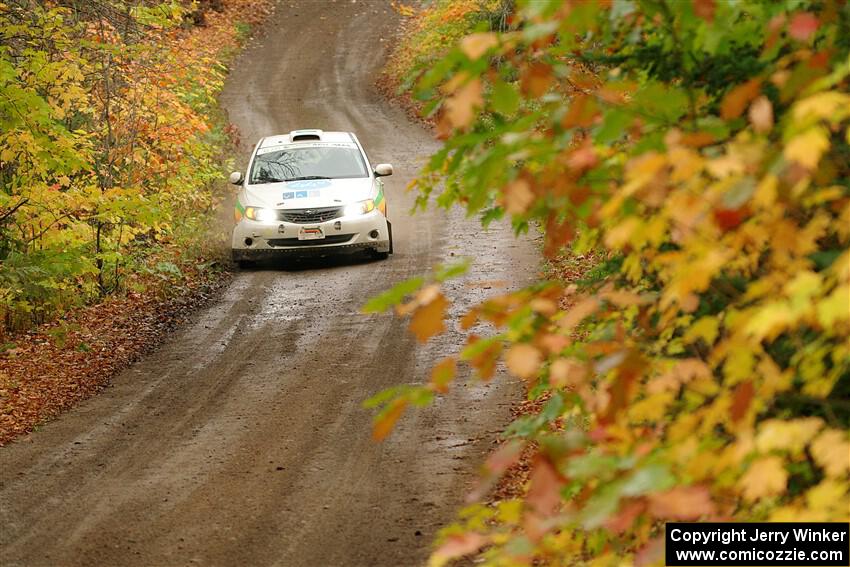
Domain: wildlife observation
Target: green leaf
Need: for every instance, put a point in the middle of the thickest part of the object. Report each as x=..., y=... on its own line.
x=505, y=98
x=393, y=296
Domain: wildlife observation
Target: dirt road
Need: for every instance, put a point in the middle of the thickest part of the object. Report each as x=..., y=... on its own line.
x=242, y=440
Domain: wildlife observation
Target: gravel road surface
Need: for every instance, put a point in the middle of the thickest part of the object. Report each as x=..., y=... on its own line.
x=242, y=440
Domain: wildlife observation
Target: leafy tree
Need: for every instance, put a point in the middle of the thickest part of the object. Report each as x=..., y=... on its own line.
x=108, y=145
x=700, y=372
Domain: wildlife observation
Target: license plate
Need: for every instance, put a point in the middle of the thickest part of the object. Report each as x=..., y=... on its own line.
x=312, y=233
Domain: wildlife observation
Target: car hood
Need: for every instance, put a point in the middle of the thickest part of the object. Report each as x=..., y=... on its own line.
x=309, y=193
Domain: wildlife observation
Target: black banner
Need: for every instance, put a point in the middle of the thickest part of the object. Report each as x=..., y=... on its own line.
x=758, y=543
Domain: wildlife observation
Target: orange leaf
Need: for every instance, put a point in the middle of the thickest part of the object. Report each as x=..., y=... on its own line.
x=738, y=98
x=458, y=545
x=582, y=113
x=485, y=361
x=741, y=399
x=463, y=104
x=765, y=477
x=704, y=9
x=544, y=492
x=558, y=234
x=523, y=360
x=442, y=374
x=427, y=321
x=504, y=457
x=625, y=517
x=385, y=421
x=475, y=45
x=761, y=115
x=682, y=503
x=518, y=196
x=536, y=79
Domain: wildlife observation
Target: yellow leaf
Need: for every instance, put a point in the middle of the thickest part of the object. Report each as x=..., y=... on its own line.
x=475, y=45
x=770, y=320
x=765, y=194
x=791, y=436
x=523, y=360
x=835, y=307
x=765, y=477
x=706, y=328
x=831, y=451
x=808, y=147
x=831, y=105
x=830, y=496
x=651, y=408
x=739, y=365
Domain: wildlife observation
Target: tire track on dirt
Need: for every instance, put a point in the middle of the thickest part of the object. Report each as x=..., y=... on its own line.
x=242, y=441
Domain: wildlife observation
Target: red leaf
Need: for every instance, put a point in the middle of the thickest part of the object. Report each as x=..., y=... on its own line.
x=741, y=399
x=803, y=25
x=727, y=219
x=704, y=9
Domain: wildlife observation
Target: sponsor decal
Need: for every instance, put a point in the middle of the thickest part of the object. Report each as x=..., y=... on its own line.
x=300, y=194
x=288, y=195
x=283, y=147
x=308, y=184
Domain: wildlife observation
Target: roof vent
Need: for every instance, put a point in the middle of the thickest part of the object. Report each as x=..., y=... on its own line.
x=302, y=135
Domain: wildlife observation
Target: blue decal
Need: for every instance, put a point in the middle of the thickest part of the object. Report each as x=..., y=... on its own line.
x=288, y=195
x=309, y=184
x=300, y=194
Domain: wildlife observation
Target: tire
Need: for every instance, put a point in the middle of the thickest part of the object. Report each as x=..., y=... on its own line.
x=390, y=231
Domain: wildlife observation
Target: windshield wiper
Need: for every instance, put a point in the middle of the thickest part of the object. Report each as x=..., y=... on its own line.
x=262, y=180
x=303, y=177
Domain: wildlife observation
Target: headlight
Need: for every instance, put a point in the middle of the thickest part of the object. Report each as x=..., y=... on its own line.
x=260, y=214
x=359, y=208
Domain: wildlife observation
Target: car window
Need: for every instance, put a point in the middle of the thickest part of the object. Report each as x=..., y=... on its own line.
x=307, y=162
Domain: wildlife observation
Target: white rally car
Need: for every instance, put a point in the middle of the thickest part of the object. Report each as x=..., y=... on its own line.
x=310, y=192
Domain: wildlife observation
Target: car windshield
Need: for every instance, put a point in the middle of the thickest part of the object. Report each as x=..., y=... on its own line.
x=307, y=162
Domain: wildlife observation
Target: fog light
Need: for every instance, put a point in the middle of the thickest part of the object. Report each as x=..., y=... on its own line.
x=249, y=241
x=373, y=235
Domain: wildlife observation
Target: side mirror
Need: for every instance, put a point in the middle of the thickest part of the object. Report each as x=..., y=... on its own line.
x=236, y=177
x=383, y=169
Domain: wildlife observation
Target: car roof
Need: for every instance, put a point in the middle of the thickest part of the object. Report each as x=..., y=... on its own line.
x=307, y=136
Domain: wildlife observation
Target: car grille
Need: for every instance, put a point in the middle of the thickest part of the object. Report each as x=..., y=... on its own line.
x=307, y=216
x=331, y=239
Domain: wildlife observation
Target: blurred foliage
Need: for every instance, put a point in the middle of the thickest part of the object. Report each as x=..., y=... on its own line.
x=110, y=144
x=701, y=371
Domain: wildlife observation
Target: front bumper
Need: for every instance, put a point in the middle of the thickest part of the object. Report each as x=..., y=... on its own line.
x=256, y=240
